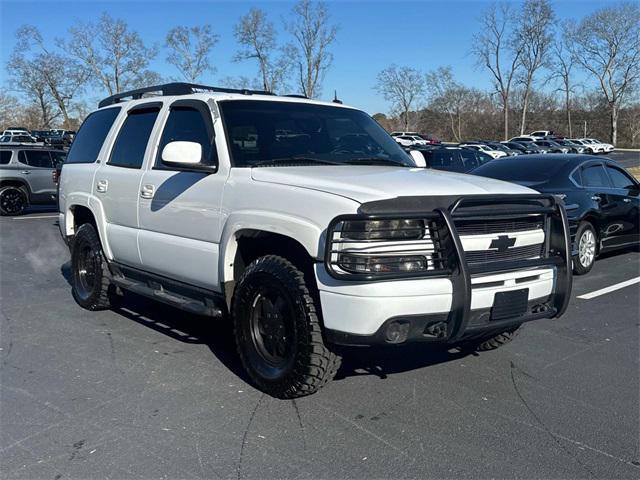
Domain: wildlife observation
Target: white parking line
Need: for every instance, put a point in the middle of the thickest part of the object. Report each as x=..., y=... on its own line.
x=35, y=216
x=612, y=288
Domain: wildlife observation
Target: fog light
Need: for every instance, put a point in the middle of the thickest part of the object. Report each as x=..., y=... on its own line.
x=397, y=332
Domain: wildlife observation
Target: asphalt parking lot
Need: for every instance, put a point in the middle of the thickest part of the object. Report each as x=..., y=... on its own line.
x=149, y=392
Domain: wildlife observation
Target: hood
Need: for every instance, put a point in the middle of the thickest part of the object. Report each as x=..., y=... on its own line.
x=369, y=183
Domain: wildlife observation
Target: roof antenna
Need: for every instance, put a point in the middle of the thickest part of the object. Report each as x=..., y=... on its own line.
x=335, y=97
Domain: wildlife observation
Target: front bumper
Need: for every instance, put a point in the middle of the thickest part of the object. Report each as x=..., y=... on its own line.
x=458, y=304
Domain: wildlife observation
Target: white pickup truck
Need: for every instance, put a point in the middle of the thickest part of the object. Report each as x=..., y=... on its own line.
x=306, y=225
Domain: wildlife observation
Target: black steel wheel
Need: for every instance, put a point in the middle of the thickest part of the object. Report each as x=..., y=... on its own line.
x=13, y=200
x=91, y=286
x=277, y=330
x=271, y=329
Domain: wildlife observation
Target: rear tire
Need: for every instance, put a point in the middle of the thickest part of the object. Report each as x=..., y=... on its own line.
x=587, y=244
x=278, y=332
x=90, y=276
x=13, y=200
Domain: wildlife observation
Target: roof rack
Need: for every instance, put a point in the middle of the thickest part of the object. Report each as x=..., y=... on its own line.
x=175, y=88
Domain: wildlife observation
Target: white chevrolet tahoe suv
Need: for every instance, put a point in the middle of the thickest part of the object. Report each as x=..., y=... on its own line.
x=306, y=225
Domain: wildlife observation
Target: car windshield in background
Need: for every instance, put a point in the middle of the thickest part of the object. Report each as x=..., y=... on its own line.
x=282, y=133
x=513, y=169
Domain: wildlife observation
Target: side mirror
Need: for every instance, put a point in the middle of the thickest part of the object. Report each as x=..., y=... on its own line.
x=182, y=154
x=418, y=158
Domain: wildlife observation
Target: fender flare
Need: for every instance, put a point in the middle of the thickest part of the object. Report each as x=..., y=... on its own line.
x=302, y=230
x=94, y=205
x=18, y=180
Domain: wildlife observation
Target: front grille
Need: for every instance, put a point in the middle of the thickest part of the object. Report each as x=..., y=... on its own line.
x=479, y=227
x=509, y=255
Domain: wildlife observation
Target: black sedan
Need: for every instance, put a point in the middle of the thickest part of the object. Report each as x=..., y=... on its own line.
x=602, y=199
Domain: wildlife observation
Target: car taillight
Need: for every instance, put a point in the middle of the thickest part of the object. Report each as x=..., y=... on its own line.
x=55, y=176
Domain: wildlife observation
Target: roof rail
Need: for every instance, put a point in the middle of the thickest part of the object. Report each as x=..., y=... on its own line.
x=176, y=88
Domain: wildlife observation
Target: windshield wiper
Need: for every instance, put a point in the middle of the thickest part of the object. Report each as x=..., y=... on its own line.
x=293, y=161
x=373, y=161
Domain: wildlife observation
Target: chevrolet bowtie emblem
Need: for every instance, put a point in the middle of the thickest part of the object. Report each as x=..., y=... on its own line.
x=502, y=243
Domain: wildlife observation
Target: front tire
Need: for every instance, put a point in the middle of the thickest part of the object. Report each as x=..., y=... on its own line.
x=90, y=276
x=587, y=241
x=277, y=330
x=491, y=343
x=13, y=200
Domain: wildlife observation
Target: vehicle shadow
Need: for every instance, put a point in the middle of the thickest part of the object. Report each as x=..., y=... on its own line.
x=384, y=361
x=217, y=335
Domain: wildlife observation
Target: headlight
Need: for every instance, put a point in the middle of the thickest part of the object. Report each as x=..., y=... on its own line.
x=367, y=264
x=360, y=248
x=402, y=229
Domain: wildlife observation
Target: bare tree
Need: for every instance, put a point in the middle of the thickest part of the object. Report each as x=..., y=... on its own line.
x=28, y=77
x=403, y=87
x=454, y=99
x=189, y=50
x=533, y=37
x=607, y=44
x=257, y=35
x=63, y=76
x=495, y=50
x=314, y=34
x=10, y=110
x=116, y=56
x=240, y=81
x=631, y=119
x=562, y=70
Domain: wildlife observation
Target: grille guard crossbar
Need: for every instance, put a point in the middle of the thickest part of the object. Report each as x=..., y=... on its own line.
x=477, y=207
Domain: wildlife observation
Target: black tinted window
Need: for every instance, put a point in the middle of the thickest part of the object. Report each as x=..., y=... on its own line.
x=525, y=169
x=262, y=131
x=128, y=150
x=619, y=178
x=187, y=124
x=58, y=158
x=5, y=157
x=445, y=160
x=36, y=158
x=471, y=159
x=594, y=176
x=91, y=136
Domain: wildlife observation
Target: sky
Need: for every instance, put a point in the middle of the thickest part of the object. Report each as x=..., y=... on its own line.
x=372, y=35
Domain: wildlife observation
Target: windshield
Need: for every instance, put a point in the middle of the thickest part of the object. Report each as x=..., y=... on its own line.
x=271, y=133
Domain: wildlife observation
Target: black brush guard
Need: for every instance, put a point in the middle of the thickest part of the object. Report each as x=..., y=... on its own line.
x=445, y=211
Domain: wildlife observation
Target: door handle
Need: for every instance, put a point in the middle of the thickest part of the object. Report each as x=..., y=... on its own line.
x=147, y=191
x=102, y=186
x=626, y=200
x=596, y=198
x=25, y=172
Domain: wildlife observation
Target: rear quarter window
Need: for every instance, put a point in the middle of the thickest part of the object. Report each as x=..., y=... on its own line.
x=91, y=136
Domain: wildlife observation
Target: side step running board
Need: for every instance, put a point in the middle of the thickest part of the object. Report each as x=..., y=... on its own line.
x=177, y=294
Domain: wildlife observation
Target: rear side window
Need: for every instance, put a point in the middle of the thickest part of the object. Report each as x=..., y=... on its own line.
x=128, y=150
x=594, y=176
x=91, y=136
x=36, y=158
x=58, y=158
x=619, y=178
x=445, y=160
x=5, y=157
x=187, y=124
